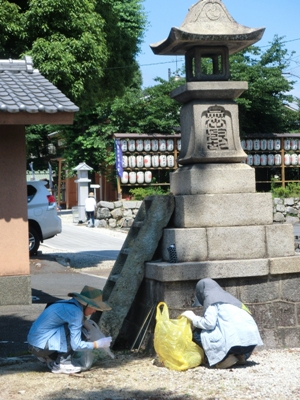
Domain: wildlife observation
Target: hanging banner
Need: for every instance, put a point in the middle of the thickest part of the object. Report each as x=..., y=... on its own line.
x=119, y=157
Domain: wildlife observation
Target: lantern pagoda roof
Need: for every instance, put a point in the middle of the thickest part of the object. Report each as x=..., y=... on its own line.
x=208, y=24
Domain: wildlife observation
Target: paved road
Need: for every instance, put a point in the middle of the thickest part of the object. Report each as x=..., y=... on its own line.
x=52, y=279
x=89, y=251
x=78, y=238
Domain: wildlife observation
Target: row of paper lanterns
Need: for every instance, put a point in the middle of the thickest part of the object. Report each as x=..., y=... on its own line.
x=136, y=177
x=149, y=145
x=270, y=144
x=272, y=159
x=148, y=161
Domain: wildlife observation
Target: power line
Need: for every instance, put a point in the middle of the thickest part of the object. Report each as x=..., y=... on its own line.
x=182, y=60
x=146, y=65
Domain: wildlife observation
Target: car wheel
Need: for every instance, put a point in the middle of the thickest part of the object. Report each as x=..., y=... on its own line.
x=34, y=241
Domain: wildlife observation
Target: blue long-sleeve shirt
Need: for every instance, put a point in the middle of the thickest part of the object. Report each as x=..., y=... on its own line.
x=49, y=327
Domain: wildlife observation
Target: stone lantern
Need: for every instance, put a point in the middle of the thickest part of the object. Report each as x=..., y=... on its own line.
x=83, y=188
x=221, y=227
x=209, y=116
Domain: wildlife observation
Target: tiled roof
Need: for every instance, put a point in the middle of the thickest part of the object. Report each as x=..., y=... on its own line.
x=24, y=89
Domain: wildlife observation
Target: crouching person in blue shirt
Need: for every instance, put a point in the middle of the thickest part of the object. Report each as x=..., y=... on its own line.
x=57, y=333
x=227, y=332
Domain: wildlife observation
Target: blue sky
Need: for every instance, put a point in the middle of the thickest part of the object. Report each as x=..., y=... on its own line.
x=281, y=17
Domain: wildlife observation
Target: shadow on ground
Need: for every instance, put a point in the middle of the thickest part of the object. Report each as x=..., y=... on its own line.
x=83, y=259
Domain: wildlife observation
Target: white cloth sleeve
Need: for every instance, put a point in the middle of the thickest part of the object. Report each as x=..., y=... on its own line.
x=209, y=320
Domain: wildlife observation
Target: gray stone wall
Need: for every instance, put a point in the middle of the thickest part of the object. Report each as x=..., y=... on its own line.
x=118, y=214
x=274, y=302
x=121, y=214
x=287, y=210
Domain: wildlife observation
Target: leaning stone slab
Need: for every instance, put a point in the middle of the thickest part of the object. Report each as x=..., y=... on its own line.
x=128, y=271
x=213, y=178
x=285, y=265
x=166, y=272
x=212, y=210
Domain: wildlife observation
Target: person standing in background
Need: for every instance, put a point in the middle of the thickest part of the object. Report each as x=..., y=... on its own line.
x=90, y=206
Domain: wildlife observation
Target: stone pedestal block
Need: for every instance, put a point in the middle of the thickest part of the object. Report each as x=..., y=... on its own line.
x=216, y=210
x=213, y=178
x=280, y=240
x=225, y=243
x=191, y=244
x=285, y=265
x=242, y=242
x=194, y=271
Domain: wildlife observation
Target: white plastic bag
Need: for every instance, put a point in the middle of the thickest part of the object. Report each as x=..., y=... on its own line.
x=86, y=358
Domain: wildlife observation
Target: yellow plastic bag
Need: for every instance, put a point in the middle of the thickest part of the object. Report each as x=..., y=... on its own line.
x=173, y=341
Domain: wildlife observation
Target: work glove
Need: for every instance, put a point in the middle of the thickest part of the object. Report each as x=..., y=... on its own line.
x=189, y=315
x=104, y=342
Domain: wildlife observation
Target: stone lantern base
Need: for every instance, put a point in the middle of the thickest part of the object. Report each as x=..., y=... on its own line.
x=224, y=230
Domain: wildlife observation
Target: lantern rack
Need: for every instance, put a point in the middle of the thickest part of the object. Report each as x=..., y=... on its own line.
x=275, y=157
x=148, y=159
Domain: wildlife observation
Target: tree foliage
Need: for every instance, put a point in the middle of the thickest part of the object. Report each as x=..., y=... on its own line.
x=87, y=48
x=262, y=108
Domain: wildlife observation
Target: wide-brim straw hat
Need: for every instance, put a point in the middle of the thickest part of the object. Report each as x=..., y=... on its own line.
x=91, y=297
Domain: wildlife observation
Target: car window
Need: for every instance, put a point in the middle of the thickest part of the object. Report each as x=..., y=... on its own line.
x=31, y=191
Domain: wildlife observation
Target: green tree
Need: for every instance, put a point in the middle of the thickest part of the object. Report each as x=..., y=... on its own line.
x=82, y=46
x=87, y=48
x=12, y=31
x=151, y=110
x=262, y=107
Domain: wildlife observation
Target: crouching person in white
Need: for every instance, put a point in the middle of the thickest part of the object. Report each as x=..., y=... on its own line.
x=227, y=332
x=57, y=333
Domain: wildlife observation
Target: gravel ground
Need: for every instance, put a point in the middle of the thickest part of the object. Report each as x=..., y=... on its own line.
x=268, y=375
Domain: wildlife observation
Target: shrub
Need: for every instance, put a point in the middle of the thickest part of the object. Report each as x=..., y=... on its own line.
x=141, y=192
x=292, y=189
